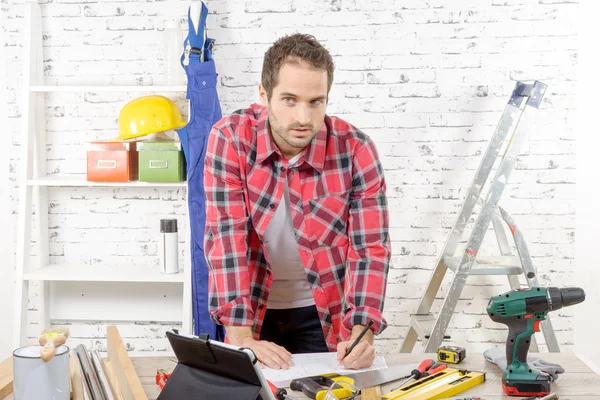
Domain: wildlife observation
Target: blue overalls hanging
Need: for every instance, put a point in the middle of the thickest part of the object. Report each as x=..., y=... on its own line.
x=205, y=111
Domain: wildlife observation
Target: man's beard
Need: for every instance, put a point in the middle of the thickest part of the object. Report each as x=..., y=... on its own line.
x=284, y=132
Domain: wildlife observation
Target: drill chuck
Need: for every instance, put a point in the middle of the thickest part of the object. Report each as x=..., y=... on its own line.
x=565, y=297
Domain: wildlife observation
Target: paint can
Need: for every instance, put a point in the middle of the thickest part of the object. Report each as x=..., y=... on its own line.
x=35, y=379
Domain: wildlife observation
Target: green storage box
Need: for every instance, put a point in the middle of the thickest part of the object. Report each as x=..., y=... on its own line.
x=161, y=161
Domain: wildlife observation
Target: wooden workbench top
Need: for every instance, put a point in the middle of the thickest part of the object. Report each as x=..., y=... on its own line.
x=577, y=383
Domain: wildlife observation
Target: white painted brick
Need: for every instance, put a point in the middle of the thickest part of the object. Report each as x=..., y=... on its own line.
x=508, y=2
x=534, y=14
x=509, y=30
x=401, y=76
x=486, y=15
x=348, y=18
x=379, y=5
x=416, y=90
x=405, y=121
x=71, y=10
x=365, y=120
x=131, y=23
x=265, y=6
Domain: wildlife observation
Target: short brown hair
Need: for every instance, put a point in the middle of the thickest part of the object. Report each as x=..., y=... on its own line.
x=289, y=49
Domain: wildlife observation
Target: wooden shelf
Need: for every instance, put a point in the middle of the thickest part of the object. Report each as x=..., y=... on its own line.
x=102, y=273
x=107, y=88
x=81, y=181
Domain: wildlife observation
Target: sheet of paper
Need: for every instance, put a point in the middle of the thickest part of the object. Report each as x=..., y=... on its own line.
x=310, y=364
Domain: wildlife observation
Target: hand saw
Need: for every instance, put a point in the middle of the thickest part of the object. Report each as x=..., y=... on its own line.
x=363, y=380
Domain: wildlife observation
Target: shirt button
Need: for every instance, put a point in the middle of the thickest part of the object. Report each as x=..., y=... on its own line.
x=271, y=206
x=260, y=307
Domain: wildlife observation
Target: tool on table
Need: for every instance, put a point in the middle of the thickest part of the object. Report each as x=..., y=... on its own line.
x=50, y=339
x=466, y=398
x=451, y=354
x=162, y=376
x=551, y=396
x=522, y=311
x=442, y=384
x=426, y=368
x=357, y=340
x=279, y=393
x=316, y=387
x=367, y=379
x=497, y=355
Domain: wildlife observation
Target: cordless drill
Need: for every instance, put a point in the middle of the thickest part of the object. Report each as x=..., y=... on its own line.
x=522, y=311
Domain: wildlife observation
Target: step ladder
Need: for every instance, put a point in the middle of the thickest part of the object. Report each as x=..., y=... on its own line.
x=516, y=119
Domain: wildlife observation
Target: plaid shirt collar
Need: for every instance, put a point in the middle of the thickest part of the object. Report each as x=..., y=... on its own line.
x=314, y=154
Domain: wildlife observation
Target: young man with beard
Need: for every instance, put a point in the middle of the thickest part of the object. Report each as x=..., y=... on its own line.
x=297, y=222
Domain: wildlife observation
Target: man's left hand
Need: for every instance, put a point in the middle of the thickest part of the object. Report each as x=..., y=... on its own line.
x=363, y=355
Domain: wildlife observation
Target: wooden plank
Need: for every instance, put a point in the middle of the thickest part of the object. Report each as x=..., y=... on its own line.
x=121, y=367
x=6, y=377
x=76, y=378
x=146, y=368
x=112, y=381
x=372, y=393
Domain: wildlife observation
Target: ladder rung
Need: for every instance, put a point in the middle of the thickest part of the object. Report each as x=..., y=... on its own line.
x=503, y=265
x=423, y=325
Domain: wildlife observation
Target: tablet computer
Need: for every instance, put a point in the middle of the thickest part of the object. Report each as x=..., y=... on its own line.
x=212, y=369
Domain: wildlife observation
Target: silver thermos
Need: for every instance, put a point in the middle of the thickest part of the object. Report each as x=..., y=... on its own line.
x=169, y=255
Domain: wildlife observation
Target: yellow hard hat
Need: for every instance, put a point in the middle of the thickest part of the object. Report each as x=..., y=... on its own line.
x=148, y=114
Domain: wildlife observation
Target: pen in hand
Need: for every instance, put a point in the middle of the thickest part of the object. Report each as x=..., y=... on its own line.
x=357, y=340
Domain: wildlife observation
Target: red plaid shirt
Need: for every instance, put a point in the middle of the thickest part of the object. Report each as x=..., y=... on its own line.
x=339, y=213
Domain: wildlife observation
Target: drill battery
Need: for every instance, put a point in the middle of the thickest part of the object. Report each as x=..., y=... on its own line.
x=451, y=354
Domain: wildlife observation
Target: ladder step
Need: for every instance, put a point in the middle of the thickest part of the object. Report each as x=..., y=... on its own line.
x=423, y=325
x=503, y=265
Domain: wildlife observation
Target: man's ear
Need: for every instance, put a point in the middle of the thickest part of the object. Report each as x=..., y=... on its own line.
x=262, y=94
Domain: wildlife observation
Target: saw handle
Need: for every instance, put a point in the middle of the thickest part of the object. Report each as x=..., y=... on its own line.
x=311, y=386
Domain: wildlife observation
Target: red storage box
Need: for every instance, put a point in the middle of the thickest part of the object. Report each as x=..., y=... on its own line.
x=112, y=162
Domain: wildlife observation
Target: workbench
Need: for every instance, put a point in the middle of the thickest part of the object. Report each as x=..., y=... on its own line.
x=578, y=382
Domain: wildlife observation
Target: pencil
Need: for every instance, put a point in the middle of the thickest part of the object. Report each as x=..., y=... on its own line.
x=353, y=345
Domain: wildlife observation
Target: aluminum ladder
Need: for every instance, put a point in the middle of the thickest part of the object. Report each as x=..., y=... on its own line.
x=517, y=118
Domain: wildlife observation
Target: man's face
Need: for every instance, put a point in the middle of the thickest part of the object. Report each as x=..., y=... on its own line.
x=297, y=106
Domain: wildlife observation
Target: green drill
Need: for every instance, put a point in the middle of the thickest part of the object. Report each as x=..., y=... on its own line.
x=522, y=311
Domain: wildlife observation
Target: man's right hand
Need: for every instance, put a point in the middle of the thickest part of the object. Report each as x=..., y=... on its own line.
x=268, y=353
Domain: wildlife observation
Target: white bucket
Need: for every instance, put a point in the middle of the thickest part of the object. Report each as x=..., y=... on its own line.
x=35, y=379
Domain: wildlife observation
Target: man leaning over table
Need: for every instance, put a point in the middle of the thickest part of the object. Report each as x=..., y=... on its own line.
x=296, y=238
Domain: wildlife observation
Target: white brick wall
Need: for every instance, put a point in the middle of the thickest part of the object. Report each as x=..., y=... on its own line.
x=426, y=79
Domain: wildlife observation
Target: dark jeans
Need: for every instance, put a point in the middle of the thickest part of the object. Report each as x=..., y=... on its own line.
x=297, y=329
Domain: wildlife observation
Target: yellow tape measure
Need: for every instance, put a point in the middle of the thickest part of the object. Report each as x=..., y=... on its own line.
x=451, y=354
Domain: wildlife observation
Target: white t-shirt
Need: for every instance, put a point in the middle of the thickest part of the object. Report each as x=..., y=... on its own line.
x=290, y=287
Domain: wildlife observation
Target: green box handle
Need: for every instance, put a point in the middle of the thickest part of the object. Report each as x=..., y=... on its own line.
x=162, y=164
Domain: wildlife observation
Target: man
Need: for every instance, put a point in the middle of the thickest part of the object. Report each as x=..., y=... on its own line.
x=297, y=223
